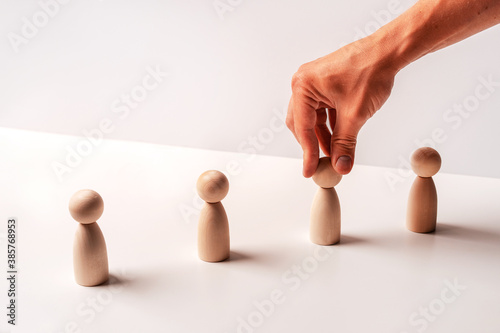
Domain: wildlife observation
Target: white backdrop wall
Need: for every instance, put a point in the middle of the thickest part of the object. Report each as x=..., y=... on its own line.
x=72, y=67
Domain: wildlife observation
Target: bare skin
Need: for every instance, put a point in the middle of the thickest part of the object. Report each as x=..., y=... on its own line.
x=348, y=86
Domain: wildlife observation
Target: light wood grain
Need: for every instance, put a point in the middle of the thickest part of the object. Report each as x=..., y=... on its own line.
x=90, y=257
x=325, y=217
x=213, y=233
x=86, y=206
x=421, y=214
x=325, y=176
x=212, y=186
x=425, y=162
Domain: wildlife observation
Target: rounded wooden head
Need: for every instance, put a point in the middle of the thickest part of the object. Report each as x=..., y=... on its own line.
x=212, y=186
x=425, y=162
x=86, y=206
x=325, y=176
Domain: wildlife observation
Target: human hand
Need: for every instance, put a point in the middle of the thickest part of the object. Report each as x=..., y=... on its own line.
x=346, y=88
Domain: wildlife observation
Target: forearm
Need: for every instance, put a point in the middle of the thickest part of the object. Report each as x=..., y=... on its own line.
x=434, y=24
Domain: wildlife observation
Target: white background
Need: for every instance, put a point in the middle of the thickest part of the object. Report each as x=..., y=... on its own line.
x=229, y=75
x=380, y=278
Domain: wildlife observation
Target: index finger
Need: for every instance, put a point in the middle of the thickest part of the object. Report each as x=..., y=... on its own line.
x=304, y=116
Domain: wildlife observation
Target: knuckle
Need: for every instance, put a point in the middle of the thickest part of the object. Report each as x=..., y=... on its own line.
x=297, y=79
x=300, y=79
x=346, y=142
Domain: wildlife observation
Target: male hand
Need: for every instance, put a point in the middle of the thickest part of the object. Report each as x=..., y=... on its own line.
x=346, y=88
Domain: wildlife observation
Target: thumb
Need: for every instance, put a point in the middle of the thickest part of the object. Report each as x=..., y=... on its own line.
x=343, y=145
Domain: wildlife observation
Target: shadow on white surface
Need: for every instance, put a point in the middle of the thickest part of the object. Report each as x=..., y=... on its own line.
x=466, y=233
x=261, y=259
x=115, y=280
x=350, y=240
x=240, y=256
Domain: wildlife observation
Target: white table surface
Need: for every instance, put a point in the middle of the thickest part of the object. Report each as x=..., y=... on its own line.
x=376, y=280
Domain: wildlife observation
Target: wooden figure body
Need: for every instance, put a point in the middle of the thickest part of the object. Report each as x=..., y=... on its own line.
x=213, y=226
x=90, y=257
x=421, y=215
x=325, y=210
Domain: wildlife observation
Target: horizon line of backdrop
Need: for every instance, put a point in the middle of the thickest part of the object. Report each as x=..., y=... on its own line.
x=216, y=75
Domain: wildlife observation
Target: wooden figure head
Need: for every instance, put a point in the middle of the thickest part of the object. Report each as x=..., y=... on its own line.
x=325, y=176
x=425, y=162
x=86, y=206
x=212, y=186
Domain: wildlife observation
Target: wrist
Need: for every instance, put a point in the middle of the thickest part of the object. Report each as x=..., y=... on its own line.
x=395, y=48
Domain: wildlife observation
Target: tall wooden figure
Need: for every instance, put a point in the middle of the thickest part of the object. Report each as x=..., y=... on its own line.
x=213, y=227
x=90, y=257
x=422, y=202
x=325, y=210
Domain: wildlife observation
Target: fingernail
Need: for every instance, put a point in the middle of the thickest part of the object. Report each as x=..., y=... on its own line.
x=344, y=163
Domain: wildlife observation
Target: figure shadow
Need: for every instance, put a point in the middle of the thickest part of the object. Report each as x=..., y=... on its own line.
x=260, y=258
x=350, y=240
x=115, y=280
x=471, y=234
x=239, y=256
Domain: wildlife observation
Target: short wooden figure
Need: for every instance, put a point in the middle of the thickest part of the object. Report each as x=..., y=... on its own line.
x=213, y=226
x=325, y=210
x=421, y=215
x=90, y=257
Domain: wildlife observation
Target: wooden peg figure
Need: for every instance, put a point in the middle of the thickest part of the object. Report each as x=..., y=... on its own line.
x=422, y=202
x=325, y=210
x=90, y=257
x=213, y=227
